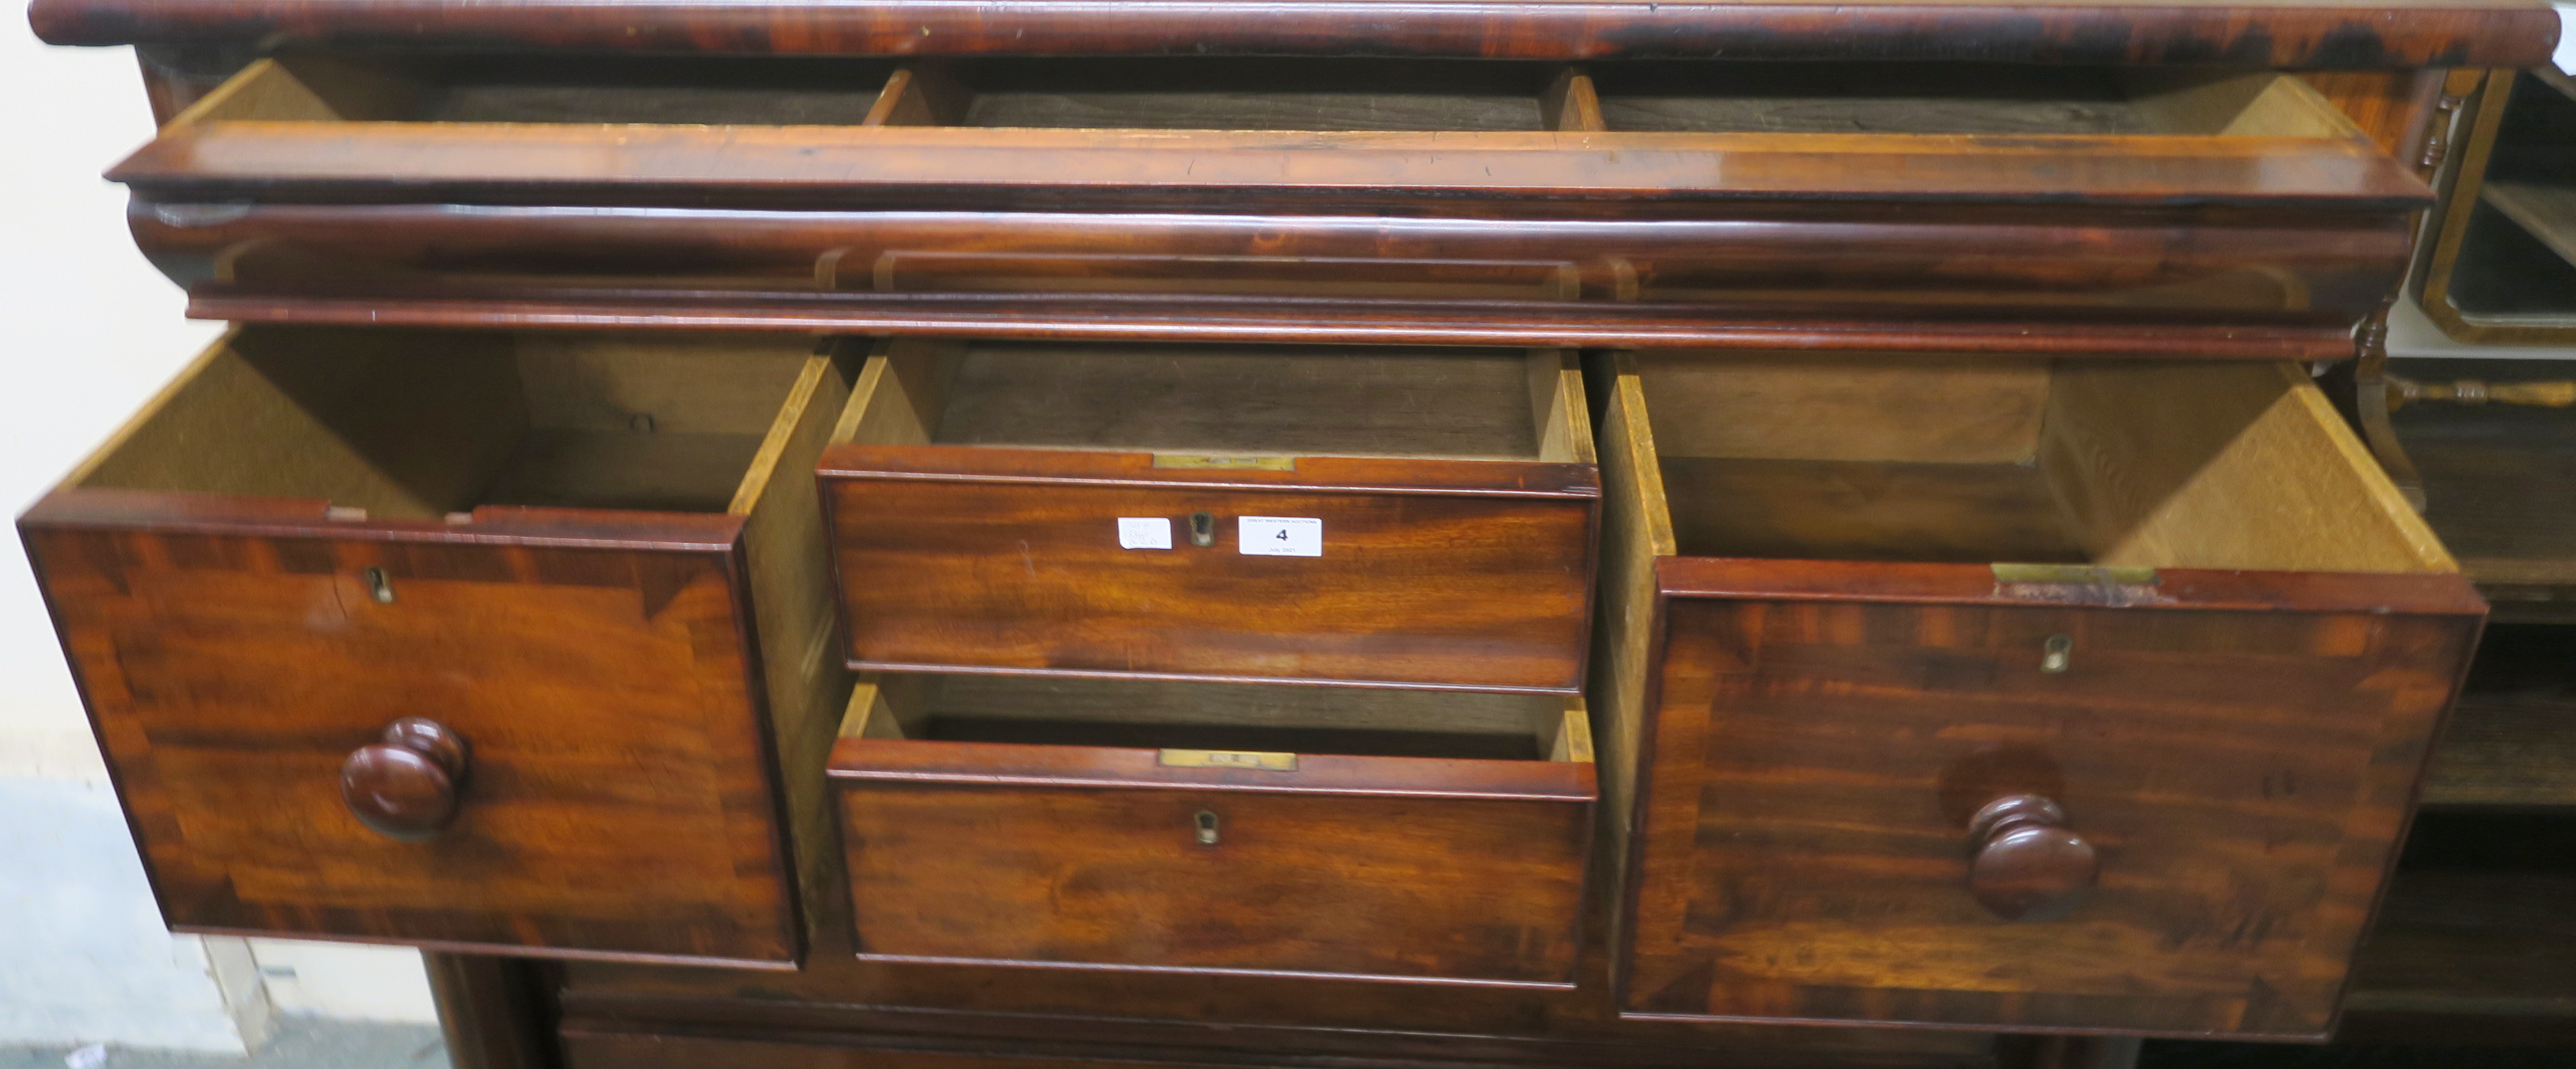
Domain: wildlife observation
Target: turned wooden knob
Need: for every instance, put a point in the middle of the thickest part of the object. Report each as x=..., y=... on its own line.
x=2026, y=864
x=406, y=786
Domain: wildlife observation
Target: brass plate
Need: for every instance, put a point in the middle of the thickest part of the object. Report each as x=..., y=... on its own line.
x=1209, y=460
x=2082, y=574
x=1270, y=762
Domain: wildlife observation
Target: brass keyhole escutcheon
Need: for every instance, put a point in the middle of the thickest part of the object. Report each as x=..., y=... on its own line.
x=379, y=587
x=1202, y=533
x=1207, y=828
x=2057, y=654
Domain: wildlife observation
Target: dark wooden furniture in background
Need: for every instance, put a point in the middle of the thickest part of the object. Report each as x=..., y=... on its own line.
x=2499, y=267
x=1995, y=633
x=2473, y=944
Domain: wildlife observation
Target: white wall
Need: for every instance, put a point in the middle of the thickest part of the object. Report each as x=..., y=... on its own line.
x=87, y=331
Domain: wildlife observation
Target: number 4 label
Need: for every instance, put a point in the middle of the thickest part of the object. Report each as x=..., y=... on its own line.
x=1280, y=536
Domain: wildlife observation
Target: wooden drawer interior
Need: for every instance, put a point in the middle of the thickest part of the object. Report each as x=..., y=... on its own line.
x=1236, y=93
x=1243, y=400
x=687, y=90
x=394, y=425
x=1928, y=459
x=1960, y=98
x=1632, y=96
x=1258, y=93
x=1236, y=717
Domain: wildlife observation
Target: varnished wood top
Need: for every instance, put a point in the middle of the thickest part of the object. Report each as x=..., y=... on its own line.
x=2430, y=594
x=932, y=167
x=2346, y=34
x=175, y=513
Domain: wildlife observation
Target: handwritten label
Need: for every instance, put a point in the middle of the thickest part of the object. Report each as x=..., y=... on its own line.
x=1280, y=536
x=1144, y=532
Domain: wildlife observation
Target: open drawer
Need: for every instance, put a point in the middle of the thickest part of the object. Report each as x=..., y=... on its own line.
x=2147, y=774
x=1219, y=828
x=1449, y=201
x=1368, y=516
x=460, y=640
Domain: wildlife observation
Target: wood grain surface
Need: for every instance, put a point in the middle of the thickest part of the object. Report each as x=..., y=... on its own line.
x=1430, y=570
x=1436, y=573
x=1811, y=737
x=229, y=674
x=314, y=534
x=2053, y=271
x=2468, y=945
x=2488, y=33
x=2245, y=774
x=1431, y=868
x=2252, y=207
x=934, y=167
x=2499, y=482
x=2511, y=743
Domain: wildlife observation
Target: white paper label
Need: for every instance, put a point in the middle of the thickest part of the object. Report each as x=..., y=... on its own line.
x=1144, y=532
x=1280, y=536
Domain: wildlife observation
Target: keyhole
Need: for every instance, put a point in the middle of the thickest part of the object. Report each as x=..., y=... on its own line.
x=1202, y=533
x=379, y=587
x=1207, y=828
x=2057, y=653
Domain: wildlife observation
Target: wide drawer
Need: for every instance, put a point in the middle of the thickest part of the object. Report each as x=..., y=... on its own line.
x=2147, y=774
x=460, y=640
x=1377, y=516
x=1449, y=201
x=1222, y=828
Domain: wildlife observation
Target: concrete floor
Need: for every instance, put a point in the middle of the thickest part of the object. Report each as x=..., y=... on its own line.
x=300, y=1043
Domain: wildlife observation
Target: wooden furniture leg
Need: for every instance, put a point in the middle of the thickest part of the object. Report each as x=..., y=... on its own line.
x=493, y=1010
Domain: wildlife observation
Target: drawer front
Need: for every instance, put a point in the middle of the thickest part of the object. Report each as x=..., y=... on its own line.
x=2287, y=268
x=1475, y=574
x=1188, y=197
x=612, y=798
x=1466, y=871
x=2235, y=760
x=615, y=1046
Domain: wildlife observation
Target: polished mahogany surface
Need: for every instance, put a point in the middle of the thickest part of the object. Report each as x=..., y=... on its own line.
x=1421, y=868
x=1864, y=784
x=2460, y=32
x=406, y=785
x=2236, y=212
x=233, y=658
x=2242, y=778
x=1438, y=573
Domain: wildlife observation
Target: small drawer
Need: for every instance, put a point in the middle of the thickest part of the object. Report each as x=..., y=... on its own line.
x=1385, y=517
x=1219, y=828
x=1454, y=202
x=2147, y=774
x=461, y=640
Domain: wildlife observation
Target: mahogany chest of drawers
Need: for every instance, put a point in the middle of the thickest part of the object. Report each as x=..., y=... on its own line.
x=891, y=533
